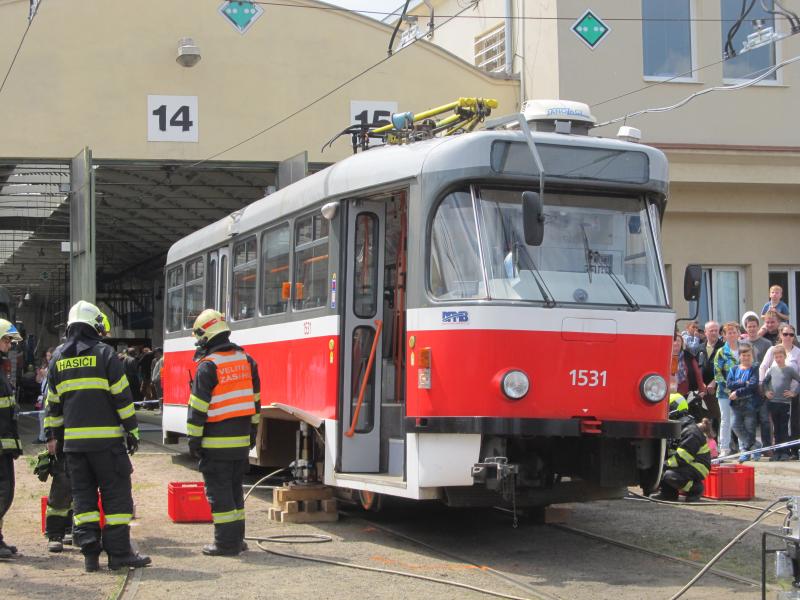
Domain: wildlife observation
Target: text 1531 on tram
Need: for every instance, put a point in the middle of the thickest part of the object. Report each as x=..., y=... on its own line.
x=479, y=318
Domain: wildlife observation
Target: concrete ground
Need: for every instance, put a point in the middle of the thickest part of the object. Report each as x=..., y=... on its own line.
x=479, y=548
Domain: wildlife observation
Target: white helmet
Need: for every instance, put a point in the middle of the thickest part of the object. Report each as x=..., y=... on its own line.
x=7, y=329
x=208, y=324
x=86, y=312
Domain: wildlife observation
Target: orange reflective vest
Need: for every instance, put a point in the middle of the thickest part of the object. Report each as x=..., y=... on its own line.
x=233, y=395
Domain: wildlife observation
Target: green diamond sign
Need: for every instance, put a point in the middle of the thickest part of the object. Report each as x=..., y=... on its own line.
x=241, y=14
x=590, y=29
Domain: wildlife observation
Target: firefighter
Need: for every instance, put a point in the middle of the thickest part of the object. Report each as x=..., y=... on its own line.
x=10, y=447
x=224, y=409
x=688, y=465
x=90, y=410
x=59, y=500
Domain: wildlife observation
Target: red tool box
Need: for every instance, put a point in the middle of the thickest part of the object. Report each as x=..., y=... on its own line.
x=187, y=503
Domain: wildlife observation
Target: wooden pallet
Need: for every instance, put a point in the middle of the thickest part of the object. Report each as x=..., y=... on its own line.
x=303, y=504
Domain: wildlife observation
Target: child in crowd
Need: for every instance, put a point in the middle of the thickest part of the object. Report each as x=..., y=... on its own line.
x=692, y=337
x=708, y=430
x=777, y=389
x=742, y=382
x=775, y=303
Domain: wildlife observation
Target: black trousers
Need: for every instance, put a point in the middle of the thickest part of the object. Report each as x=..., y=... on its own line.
x=7, y=483
x=223, y=480
x=682, y=478
x=794, y=424
x=110, y=471
x=58, y=516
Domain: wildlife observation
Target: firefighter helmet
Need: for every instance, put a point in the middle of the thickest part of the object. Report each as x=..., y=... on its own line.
x=678, y=407
x=88, y=313
x=209, y=324
x=7, y=329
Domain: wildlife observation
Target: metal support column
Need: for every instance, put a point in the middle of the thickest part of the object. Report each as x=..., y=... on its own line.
x=82, y=265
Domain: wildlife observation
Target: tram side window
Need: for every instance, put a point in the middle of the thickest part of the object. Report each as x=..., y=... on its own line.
x=275, y=280
x=245, y=260
x=175, y=298
x=311, y=262
x=195, y=269
x=223, y=284
x=455, y=266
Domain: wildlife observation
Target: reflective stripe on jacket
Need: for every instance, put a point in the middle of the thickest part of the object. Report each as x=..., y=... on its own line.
x=88, y=403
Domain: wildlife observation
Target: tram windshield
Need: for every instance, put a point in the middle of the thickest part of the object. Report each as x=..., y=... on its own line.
x=596, y=250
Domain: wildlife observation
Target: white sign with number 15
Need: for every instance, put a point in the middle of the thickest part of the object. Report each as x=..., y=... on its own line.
x=172, y=119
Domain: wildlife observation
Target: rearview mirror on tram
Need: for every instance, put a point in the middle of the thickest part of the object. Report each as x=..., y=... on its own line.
x=533, y=218
x=691, y=282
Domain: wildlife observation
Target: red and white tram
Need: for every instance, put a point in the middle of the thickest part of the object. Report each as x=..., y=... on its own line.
x=400, y=303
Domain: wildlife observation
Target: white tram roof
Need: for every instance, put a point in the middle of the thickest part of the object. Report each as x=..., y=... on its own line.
x=382, y=166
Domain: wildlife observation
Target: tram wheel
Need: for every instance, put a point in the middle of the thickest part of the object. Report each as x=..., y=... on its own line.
x=370, y=501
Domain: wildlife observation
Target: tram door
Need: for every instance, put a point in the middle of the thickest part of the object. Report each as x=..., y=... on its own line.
x=361, y=393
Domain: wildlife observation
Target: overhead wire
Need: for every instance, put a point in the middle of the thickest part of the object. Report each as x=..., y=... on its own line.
x=19, y=47
x=383, y=13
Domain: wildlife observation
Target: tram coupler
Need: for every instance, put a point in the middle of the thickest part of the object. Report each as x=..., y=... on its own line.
x=302, y=467
x=493, y=472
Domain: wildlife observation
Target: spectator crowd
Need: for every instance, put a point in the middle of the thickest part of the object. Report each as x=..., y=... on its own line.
x=745, y=378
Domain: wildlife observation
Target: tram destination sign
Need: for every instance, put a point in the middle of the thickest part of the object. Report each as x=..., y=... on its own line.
x=591, y=29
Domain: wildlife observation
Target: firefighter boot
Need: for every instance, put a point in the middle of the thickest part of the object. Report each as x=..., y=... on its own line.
x=55, y=544
x=214, y=550
x=667, y=494
x=695, y=493
x=129, y=561
x=7, y=551
x=91, y=562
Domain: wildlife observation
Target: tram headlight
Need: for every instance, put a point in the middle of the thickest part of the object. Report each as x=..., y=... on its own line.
x=515, y=384
x=653, y=388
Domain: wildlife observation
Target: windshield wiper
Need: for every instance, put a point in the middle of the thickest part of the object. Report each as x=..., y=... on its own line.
x=622, y=289
x=549, y=300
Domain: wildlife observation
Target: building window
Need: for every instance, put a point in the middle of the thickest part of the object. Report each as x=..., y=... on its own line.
x=667, y=38
x=753, y=62
x=490, y=50
x=194, y=291
x=789, y=280
x=311, y=262
x=175, y=298
x=245, y=259
x=722, y=295
x=275, y=280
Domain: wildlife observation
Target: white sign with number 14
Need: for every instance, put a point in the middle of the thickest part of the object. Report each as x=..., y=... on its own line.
x=172, y=119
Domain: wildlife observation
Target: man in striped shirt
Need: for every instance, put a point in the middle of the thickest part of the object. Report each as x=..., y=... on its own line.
x=222, y=421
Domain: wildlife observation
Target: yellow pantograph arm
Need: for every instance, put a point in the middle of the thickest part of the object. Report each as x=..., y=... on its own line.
x=460, y=103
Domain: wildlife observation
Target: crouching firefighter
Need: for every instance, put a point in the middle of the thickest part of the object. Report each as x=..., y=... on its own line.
x=90, y=409
x=224, y=408
x=688, y=465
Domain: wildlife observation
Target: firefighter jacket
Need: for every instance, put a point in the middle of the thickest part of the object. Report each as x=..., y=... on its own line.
x=88, y=404
x=9, y=437
x=692, y=450
x=225, y=403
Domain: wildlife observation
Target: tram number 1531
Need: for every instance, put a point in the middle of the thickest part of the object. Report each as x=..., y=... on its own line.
x=588, y=378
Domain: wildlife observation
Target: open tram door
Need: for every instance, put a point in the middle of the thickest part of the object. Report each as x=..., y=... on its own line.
x=370, y=404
